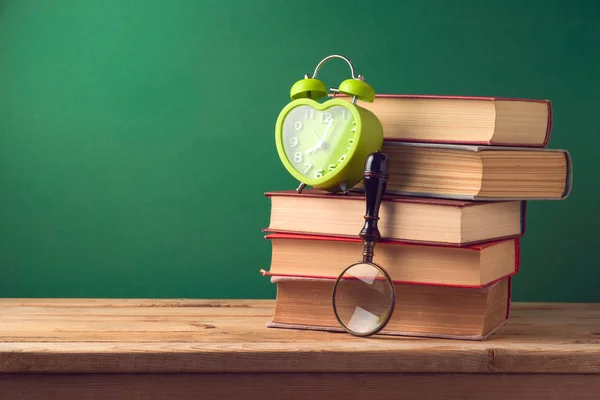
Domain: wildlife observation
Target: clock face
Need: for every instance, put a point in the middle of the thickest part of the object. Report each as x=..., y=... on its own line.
x=316, y=142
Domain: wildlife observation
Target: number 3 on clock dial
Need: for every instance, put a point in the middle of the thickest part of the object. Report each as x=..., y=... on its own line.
x=316, y=142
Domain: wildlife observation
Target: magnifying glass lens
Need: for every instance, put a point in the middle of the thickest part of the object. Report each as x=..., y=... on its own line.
x=363, y=299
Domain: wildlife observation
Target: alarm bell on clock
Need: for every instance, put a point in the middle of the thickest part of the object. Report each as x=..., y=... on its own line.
x=325, y=145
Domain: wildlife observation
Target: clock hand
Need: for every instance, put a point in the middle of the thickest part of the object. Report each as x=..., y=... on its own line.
x=321, y=142
x=327, y=130
x=317, y=136
x=313, y=149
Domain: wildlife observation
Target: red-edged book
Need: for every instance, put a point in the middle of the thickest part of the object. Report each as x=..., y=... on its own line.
x=420, y=310
x=445, y=222
x=441, y=291
x=476, y=266
x=474, y=120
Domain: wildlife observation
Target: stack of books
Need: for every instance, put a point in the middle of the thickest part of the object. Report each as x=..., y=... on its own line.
x=461, y=170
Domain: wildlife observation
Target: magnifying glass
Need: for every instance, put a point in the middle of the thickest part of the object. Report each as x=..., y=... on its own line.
x=363, y=294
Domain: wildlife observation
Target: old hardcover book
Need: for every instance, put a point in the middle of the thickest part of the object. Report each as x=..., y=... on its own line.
x=427, y=311
x=477, y=172
x=475, y=266
x=402, y=218
x=463, y=120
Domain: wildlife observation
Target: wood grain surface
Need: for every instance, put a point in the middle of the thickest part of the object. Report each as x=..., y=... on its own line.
x=300, y=386
x=215, y=336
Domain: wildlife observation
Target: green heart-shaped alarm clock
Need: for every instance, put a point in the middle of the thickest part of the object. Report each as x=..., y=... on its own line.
x=325, y=145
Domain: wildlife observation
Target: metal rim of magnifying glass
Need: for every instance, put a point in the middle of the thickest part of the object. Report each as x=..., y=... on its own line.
x=389, y=316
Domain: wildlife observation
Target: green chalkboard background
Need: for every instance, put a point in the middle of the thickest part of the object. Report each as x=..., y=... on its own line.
x=136, y=137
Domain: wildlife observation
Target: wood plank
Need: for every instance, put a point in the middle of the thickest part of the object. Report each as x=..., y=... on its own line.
x=333, y=386
x=240, y=357
x=139, y=336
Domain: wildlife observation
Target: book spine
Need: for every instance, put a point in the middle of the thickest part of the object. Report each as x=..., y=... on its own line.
x=509, y=298
x=549, y=126
x=523, y=217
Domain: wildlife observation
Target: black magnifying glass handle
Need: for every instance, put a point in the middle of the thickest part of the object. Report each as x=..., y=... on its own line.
x=363, y=294
x=375, y=178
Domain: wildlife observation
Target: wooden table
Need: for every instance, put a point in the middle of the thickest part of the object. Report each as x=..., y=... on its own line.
x=193, y=349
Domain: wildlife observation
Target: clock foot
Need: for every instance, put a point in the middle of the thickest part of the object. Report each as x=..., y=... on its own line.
x=301, y=187
x=344, y=188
